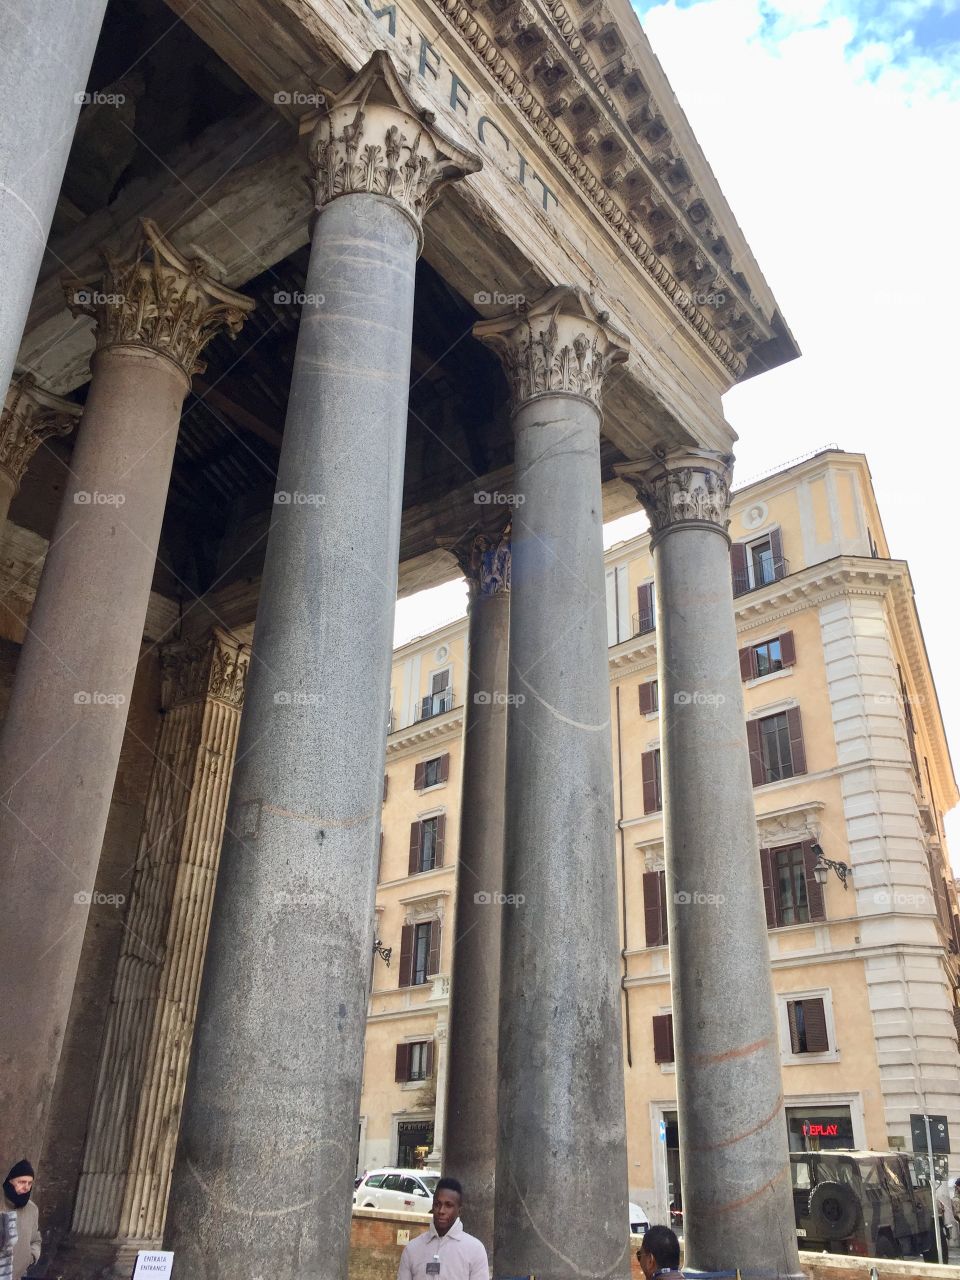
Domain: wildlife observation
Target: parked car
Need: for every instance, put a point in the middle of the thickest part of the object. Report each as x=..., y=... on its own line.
x=403, y=1190
x=639, y=1222
x=864, y=1202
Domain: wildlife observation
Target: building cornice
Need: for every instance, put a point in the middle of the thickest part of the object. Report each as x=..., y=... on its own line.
x=436, y=729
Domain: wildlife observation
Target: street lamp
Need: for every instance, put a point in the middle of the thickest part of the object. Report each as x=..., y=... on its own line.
x=824, y=864
x=383, y=952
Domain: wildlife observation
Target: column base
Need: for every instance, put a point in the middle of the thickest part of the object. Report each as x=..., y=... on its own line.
x=98, y=1258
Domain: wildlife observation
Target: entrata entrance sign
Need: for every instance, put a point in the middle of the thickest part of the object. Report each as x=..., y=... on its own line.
x=155, y=1265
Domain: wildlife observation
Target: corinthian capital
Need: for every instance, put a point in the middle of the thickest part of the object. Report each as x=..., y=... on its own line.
x=560, y=345
x=155, y=298
x=31, y=415
x=373, y=138
x=484, y=560
x=691, y=486
x=197, y=670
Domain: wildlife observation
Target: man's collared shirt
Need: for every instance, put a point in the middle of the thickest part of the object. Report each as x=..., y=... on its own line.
x=462, y=1257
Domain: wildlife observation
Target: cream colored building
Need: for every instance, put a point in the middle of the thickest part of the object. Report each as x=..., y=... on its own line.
x=849, y=755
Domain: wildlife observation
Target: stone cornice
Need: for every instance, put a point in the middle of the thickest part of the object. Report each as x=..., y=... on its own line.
x=649, y=177
x=413, y=736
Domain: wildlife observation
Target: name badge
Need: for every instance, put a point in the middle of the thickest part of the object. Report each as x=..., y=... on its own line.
x=433, y=1268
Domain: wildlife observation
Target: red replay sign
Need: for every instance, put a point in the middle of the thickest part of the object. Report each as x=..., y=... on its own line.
x=820, y=1130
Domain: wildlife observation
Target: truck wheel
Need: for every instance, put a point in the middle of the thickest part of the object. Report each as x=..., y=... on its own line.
x=833, y=1211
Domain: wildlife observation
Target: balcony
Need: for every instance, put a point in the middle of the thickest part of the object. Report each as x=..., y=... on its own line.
x=435, y=704
x=643, y=623
x=758, y=575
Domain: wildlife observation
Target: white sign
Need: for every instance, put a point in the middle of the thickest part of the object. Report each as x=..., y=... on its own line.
x=153, y=1266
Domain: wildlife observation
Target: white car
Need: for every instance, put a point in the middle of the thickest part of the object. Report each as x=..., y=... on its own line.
x=403, y=1190
x=639, y=1222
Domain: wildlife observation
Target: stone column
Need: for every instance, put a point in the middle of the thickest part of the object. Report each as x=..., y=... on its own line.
x=61, y=739
x=47, y=52
x=263, y=1180
x=737, y=1199
x=30, y=416
x=561, y=1190
x=132, y=1131
x=470, y=1145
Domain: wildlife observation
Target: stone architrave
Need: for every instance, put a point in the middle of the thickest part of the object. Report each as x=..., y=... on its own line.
x=561, y=1178
x=30, y=416
x=469, y=1143
x=263, y=1180
x=132, y=1131
x=60, y=742
x=737, y=1199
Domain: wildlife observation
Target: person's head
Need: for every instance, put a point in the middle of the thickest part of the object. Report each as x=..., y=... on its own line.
x=659, y=1251
x=447, y=1200
x=19, y=1183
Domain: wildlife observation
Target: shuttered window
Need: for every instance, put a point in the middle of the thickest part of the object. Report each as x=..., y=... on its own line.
x=430, y=773
x=770, y=656
x=649, y=697
x=650, y=777
x=754, y=564
x=791, y=894
x=646, y=618
x=808, y=1026
x=655, y=908
x=663, y=1037
x=427, y=841
x=776, y=747
x=419, y=953
x=414, y=1061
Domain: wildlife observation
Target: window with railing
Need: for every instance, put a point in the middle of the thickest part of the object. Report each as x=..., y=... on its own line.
x=758, y=563
x=440, y=697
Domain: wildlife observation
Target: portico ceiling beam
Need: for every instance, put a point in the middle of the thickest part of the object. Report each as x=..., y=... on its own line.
x=237, y=413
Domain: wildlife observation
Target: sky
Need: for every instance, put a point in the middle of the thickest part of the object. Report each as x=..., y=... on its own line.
x=833, y=128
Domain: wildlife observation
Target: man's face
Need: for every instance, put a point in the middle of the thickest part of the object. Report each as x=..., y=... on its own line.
x=22, y=1185
x=648, y=1263
x=446, y=1210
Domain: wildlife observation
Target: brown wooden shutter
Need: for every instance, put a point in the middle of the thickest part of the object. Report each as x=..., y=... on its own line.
x=418, y=772
x=939, y=887
x=655, y=908
x=645, y=607
x=776, y=551
x=794, y=1030
x=648, y=773
x=403, y=1063
x=738, y=567
x=646, y=697
x=406, y=955
x=798, y=756
x=441, y=681
x=445, y=766
x=438, y=845
x=748, y=663
x=663, y=1037
x=814, y=892
x=788, y=650
x=815, y=1025
x=433, y=959
x=380, y=860
x=386, y=784
x=416, y=836
x=428, y=1065
x=757, y=771
x=768, y=874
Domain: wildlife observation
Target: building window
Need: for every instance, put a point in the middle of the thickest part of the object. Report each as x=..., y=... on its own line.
x=414, y=1061
x=818, y=1128
x=650, y=776
x=764, y=659
x=440, y=697
x=790, y=890
x=808, y=1026
x=755, y=564
x=419, y=953
x=776, y=747
x=430, y=773
x=769, y=657
x=645, y=619
x=655, y=908
x=649, y=697
x=414, y=1144
x=663, y=1037
x=427, y=840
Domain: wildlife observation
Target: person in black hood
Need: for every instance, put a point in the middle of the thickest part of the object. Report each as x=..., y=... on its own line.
x=17, y=1192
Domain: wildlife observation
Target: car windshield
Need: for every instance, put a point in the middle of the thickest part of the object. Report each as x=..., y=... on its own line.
x=430, y=1181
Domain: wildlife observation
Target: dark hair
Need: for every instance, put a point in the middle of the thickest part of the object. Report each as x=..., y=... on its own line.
x=662, y=1245
x=449, y=1184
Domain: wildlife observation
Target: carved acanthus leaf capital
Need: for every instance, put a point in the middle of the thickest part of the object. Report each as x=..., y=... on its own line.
x=195, y=670
x=686, y=487
x=158, y=299
x=31, y=415
x=562, y=344
x=484, y=560
x=374, y=138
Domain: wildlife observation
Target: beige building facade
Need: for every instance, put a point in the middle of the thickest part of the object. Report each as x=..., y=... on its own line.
x=849, y=757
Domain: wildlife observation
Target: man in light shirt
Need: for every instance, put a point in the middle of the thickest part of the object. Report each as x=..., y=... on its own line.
x=445, y=1251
